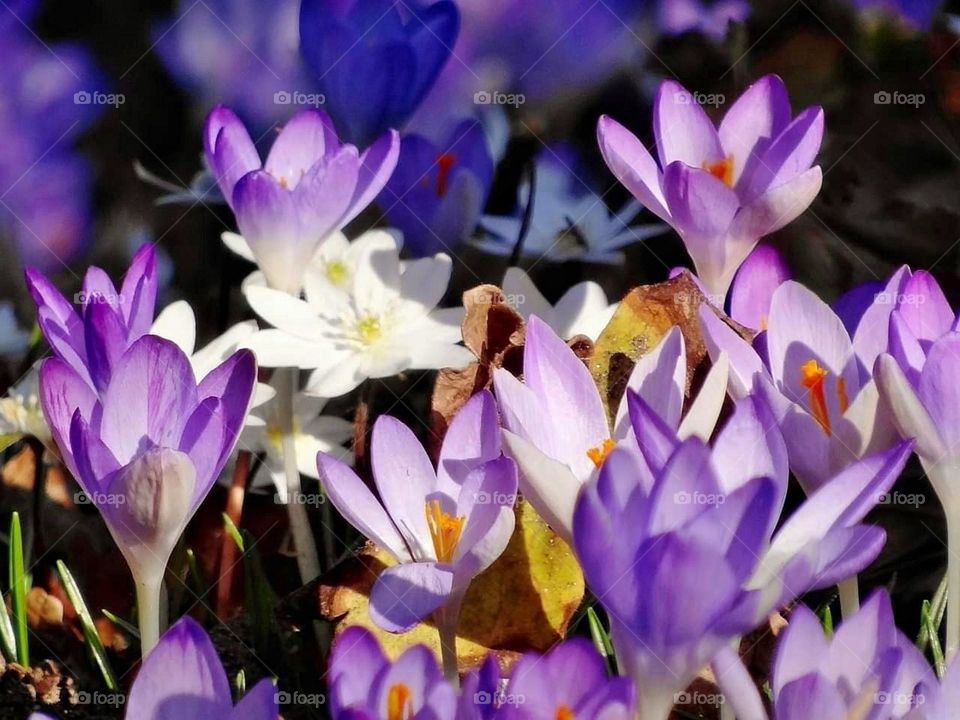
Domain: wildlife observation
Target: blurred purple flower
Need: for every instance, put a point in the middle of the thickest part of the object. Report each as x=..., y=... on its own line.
x=443, y=526
x=242, y=53
x=375, y=60
x=867, y=669
x=815, y=378
x=675, y=17
x=48, y=101
x=721, y=189
x=649, y=544
x=310, y=186
x=147, y=445
x=436, y=194
x=753, y=286
x=183, y=677
x=92, y=340
x=918, y=14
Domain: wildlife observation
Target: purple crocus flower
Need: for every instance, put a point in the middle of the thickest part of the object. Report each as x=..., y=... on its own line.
x=147, y=446
x=310, y=186
x=557, y=430
x=374, y=60
x=815, y=380
x=438, y=191
x=442, y=526
x=868, y=669
x=712, y=18
x=570, y=681
x=753, y=286
x=649, y=544
x=183, y=678
x=721, y=189
x=92, y=340
x=365, y=684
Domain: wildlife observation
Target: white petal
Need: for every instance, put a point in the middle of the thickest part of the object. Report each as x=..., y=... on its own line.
x=909, y=415
x=285, y=312
x=236, y=243
x=701, y=417
x=178, y=324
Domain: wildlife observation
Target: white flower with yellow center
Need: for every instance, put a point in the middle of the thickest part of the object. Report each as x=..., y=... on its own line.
x=385, y=321
x=21, y=414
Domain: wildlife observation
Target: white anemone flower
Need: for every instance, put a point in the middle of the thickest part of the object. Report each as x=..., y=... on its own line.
x=386, y=323
x=582, y=310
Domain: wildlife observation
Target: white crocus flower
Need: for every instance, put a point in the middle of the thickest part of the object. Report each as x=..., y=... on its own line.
x=582, y=310
x=21, y=414
x=313, y=433
x=386, y=323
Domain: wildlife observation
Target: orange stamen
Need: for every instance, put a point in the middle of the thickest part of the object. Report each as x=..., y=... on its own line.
x=811, y=376
x=721, y=169
x=842, y=400
x=599, y=453
x=564, y=712
x=445, y=162
x=399, y=702
x=445, y=531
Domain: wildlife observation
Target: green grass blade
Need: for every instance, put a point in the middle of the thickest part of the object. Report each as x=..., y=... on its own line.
x=89, y=629
x=232, y=531
x=128, y=628
x=18, y=592
x=938, y=606
x=200, y=585
x=826, y=621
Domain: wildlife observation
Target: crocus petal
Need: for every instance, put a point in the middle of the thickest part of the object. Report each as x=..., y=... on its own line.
x=548, y=485
x=259, y=703
x=810, y=696
x=106, y=339
x=404, y=478
x=701, y=417
x=138, y=293
x=62, y=393
x=702, y=208
x=230, y=152
x=738, y=686
x=182, y=677
x=406, y=594
x=924, y=307
x=756, y=117
x=304, y=138
x=632, y=165
x=353, y=499
x=655, y=439
x=909, y=413
x=789, y=155
x=754, y=284
x=684, y=132
x=355, y=661
x=660, y=377
x=939, y=390
x=801, y=649
x=870, y=336
x=472, y=439
x=777, y=206
x=487, y=499
x=720, y=338
x=377, y=163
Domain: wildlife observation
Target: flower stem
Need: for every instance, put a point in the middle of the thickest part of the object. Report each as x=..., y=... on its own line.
x=849, y=597
x=953, y=589
x=446, y=619
x=307, y=560
x=149, y=591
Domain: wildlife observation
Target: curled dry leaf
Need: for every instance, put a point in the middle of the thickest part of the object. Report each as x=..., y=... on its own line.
x=644, y=316
x=524, y=601
x=493, y=331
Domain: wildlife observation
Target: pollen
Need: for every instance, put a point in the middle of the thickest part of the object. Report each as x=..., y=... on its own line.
x=599, y=453
x=445, y=163
x=564, y=712
x=369, y=328
x=399, y=702
x=445, y=530
x=721, y=169
x=336, y=272
x=812, y=376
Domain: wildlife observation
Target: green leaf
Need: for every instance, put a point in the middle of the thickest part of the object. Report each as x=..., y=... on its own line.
x=601, y=640
x=826, y=620
x=18, y=592
x=200, y=585
x=232, y=531
x=259, y=597
x=240, y=683
x=938, y=606
x=926, y=617
x=8, y=640
x=127, y=627
x=90, y=633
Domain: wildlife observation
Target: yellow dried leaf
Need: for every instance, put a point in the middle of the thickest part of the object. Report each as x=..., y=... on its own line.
x=524, y=601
